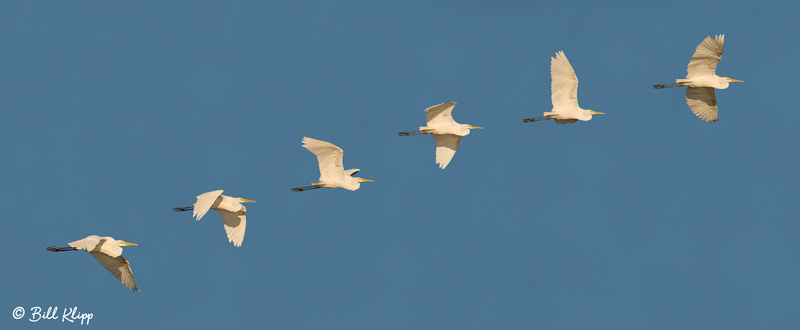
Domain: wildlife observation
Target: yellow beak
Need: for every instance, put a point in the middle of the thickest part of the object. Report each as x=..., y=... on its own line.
x=731, y=79
x=246, y=200
x=598, y=113
x=470, y=126
x=126, y=243
x=365, y=180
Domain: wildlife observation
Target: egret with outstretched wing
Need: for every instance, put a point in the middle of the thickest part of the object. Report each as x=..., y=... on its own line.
x=564, y=94
x=445, y=130
x=702, y=79
x=331, y=169
x=231, y=210
x=108, y=252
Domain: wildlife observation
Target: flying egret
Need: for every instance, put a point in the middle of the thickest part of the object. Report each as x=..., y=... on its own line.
x=445, y=130
x=702, y=79
x=229, y=208
x=564, y=94
x=331, y=170
x=108, y=252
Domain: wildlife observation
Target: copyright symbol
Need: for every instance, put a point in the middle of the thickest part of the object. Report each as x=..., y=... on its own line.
x=18, y=313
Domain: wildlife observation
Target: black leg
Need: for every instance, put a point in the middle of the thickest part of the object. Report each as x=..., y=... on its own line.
x=305, y=188
x=58, y=249
x=181, y=209
x=530, y=120
x=660, y=86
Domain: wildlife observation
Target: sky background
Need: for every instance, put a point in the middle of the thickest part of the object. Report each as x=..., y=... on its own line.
x=645, y=218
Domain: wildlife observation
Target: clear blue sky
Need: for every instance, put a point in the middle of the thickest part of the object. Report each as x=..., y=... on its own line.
x=645, y=218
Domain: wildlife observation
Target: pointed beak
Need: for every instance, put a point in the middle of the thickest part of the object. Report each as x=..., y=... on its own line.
x=365, y=180
x=598, y=113
x=731, y=79
x=126, y=243
x=470, y=126
x=246, y=200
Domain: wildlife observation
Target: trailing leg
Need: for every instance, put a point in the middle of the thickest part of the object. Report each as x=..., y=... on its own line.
x=410, y=133
x=530, y=120
x=660, y=86
x=305, y=188
x=59, y=249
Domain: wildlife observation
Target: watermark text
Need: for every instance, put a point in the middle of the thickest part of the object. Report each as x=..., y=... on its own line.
x=68, y=314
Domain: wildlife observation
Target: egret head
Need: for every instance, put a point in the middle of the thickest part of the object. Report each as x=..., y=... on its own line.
x=465, y=128
x=587, y=114
x=724, y=82
x=353, y=183
x=729, y=80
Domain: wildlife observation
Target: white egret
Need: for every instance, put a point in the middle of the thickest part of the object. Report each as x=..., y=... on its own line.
x=108, y=252
x=564, y=94
x=229, y=208
x=701, y=79
x=445, y=130
x=331, y=170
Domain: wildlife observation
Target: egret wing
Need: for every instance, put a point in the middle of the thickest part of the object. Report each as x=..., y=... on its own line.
x=235, y=224
x=702, y=102
x=118, y=266
x=440, y=115
x=446, y=146
x=352, y=172
x=564, y=85
x=204, y=203
x=329, y=157
x=705, y=58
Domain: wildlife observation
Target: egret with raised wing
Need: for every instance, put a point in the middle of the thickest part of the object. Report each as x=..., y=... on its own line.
x=564, y=94
x=701, y=79
x=445, y=130
x=331, y=170
x=108, y=252
x=231, y=210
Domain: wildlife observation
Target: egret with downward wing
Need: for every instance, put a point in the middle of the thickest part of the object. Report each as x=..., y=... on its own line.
x=445, y=130
x=701, y=79
x=231, y=210
x=108, y=252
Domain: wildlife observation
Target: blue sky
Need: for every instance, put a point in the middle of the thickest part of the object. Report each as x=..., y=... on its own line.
x=644, y=218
